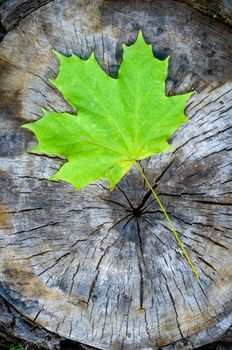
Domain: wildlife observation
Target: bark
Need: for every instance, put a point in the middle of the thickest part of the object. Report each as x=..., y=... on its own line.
x=74, y=263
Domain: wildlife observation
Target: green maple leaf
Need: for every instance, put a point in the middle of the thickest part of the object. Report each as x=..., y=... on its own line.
x=119, y=121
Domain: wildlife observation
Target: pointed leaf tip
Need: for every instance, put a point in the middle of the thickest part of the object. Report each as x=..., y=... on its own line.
x=140, y=35
x=28, y=126
x=58, y=54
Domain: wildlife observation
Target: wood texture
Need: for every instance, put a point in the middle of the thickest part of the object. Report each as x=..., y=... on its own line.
x=13, y=11
x=14, y=326
x=75, y=262
x=218, y=9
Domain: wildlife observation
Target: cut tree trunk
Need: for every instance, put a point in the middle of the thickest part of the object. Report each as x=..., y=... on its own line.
x=74, y=263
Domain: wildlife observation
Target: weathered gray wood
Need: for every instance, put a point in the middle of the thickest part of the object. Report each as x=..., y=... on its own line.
x=68, y=261
x=221, y=10
x=13, y=11
x=15, y=326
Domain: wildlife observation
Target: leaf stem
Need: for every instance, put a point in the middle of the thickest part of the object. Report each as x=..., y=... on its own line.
x=169, y=221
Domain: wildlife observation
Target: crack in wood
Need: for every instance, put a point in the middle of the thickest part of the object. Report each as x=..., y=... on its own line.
x=174, y=305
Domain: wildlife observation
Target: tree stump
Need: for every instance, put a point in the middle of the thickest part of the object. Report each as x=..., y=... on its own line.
x=76, y=263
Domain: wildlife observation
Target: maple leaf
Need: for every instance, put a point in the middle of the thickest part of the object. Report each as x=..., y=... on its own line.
x=119, y=121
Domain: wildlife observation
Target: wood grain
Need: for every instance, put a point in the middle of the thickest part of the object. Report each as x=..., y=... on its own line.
x=220, y=10
x=13, y=11
x=15, y=328
x=78, y=263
